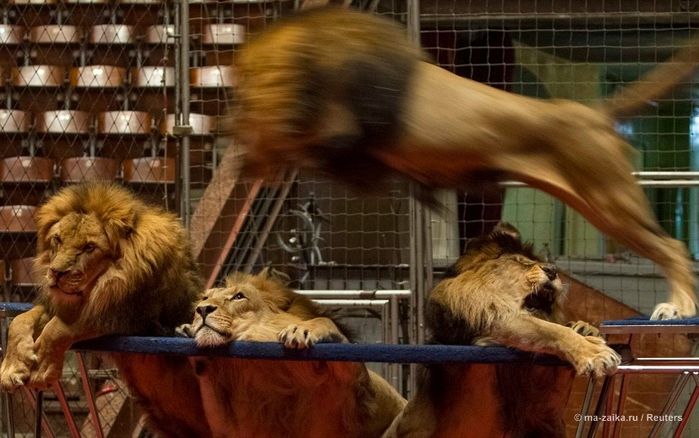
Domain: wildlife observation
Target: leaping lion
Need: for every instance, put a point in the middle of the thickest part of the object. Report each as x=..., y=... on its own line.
x=346, y=93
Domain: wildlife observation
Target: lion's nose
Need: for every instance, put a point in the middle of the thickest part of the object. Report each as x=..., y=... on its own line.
x=551, y=271
x=206, y=309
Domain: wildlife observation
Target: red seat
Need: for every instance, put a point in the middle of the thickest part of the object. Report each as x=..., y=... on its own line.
x=150, y=170
x=22, y=272
x=75, y=170
x=21, y=170
x=17, y=219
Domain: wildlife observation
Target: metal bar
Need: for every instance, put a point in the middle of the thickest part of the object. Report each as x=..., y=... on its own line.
x=651, y=17
x=356, y=294
x=90, y=395
x=660, y=369
x=606, y=427
x=607, y=385
x=63, y=401
x=396, y=377
x=672, y=399
x=185, y=177
x=270, y=220
x=587, y=401
x=352, y=303
x=675, y=183
x=36, y=400
x=688, y=410
x=621, y=404
x=38, y=413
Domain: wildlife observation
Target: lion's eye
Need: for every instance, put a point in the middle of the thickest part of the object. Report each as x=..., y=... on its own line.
x=204, y=298
x=56, y=240
x=89, y=247
x=238, y=296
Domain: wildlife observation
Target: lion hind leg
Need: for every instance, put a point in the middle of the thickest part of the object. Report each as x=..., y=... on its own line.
x=614, y=203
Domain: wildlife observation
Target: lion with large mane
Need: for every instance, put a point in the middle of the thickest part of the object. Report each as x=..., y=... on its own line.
x=291, y=399
x=500, y=292
x=108, y=264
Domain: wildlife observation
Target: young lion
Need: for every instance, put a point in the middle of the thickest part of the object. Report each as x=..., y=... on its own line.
x=346, y=93
x=291, y=399
x=500, y=293
x=108, y=264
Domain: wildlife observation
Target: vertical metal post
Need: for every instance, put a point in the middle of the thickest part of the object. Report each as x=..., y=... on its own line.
x=417, y=230
x=184, y=101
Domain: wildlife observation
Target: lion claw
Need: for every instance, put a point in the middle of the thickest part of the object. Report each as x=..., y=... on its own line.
x=298, y=337
x=599, y=360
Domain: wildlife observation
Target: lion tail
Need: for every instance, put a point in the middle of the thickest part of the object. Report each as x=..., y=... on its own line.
x=655, y=84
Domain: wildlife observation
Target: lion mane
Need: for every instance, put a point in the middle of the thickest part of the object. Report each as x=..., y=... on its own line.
x=293, y=399
x=500, y=292
x=109, y=264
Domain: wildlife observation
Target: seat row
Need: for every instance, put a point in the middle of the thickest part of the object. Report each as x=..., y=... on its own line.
x=27, y=170
x=217, y=34
x=74, y=122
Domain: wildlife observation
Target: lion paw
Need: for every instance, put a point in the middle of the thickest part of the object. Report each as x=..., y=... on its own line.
x=300, y=337
x=184, y=331
x=47, y=373
x=583, y=328
x=596, y=358
x=665, y=311
x=15, y=371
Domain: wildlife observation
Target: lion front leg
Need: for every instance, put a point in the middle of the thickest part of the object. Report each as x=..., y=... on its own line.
x=587, y=354
x=50, y=348
x=20, y=357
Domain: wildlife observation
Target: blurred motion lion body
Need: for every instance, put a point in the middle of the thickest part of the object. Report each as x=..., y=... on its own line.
x=292, y=399
x=500, y=293
x=108, y=264
x=346, y=93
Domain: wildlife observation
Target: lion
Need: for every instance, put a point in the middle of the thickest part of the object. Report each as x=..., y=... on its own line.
x=108, y=264
x=500, y=293
x=345, y=93
x=291, y=399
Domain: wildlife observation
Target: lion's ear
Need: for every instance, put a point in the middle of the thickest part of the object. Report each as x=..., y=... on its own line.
x=269, y=273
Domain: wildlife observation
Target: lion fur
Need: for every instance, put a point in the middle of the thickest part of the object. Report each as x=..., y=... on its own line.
x=108, y=264
x=293, y=399
x=345, y=93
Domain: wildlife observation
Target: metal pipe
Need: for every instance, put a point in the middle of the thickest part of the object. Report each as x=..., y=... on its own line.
x=90, y=396
x=379, y=304
x=185, y=174
x=355, y=294
x=63, y=401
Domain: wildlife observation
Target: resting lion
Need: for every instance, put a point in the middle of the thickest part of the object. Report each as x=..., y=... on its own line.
x=108, y=264
x=499, y=292
x=290, y=399
x=346, y=93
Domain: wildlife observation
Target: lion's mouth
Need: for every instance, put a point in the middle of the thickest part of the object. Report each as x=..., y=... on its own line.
x=205, y=326
x=56, y=287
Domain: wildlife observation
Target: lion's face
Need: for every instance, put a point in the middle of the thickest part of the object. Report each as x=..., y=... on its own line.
x=502, y=261
x=223, y=313
x=77, y=252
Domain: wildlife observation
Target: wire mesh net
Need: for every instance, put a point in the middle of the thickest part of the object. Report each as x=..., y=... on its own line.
x=92, y=90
